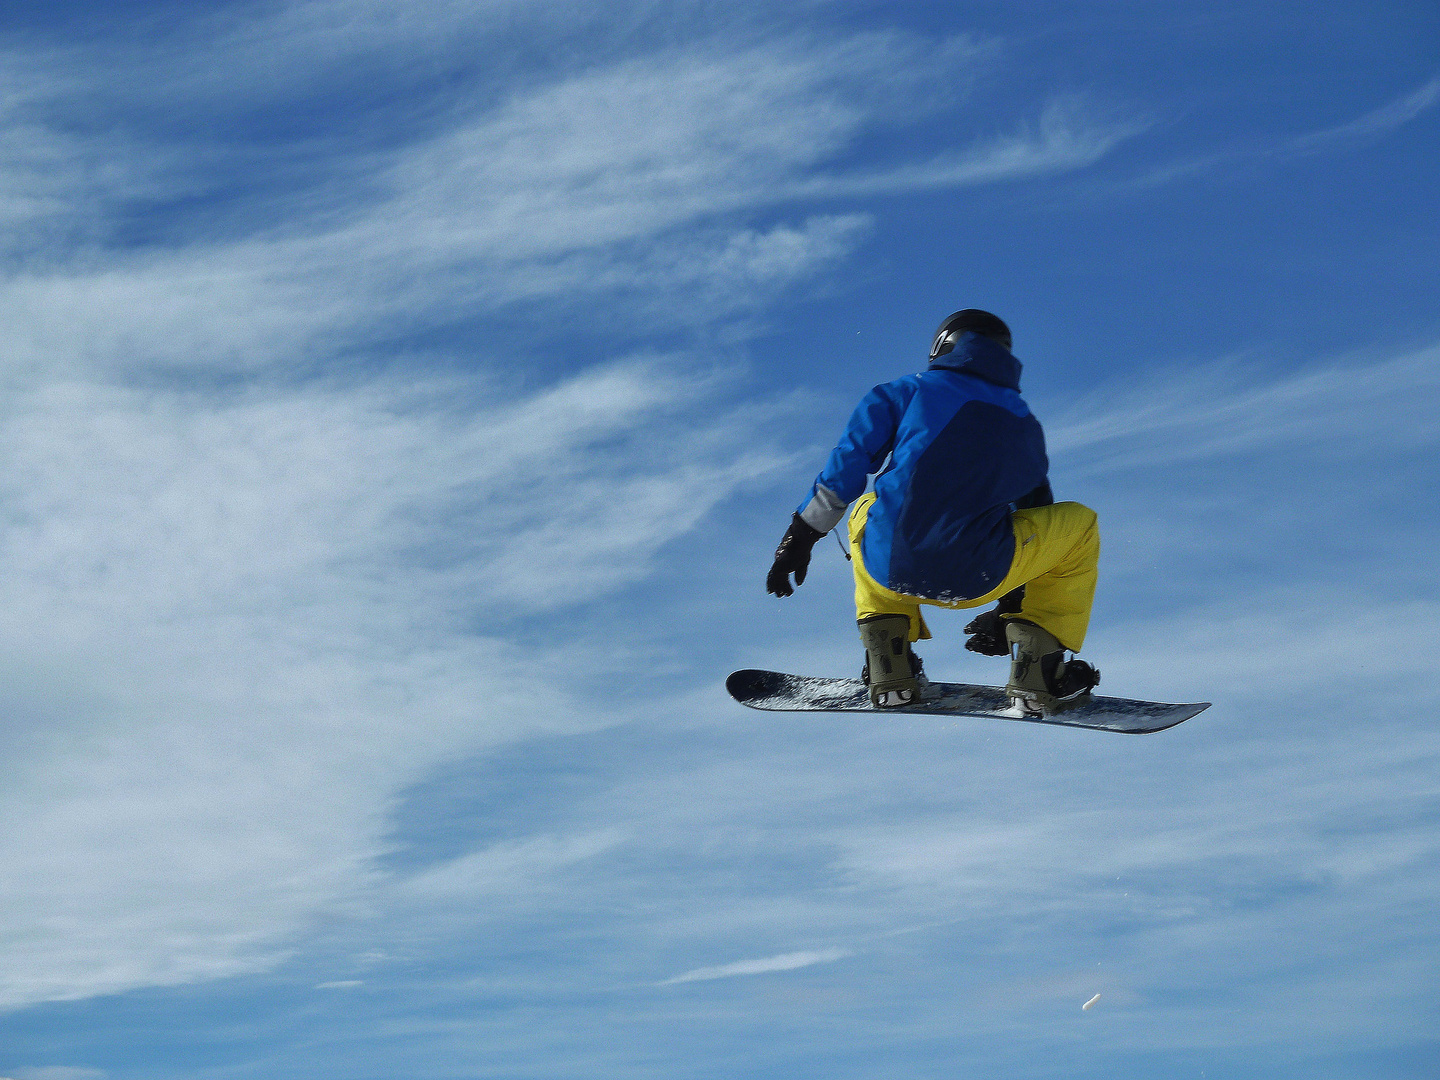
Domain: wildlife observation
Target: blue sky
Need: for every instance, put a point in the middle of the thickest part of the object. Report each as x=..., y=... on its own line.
x=386, y=384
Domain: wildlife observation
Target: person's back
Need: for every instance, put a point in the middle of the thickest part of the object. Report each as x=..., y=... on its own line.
x=966, y=450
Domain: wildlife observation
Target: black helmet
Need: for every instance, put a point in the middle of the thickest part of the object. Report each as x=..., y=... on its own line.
x=981, y=322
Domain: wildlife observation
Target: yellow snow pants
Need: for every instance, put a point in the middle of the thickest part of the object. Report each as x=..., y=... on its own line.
x=1057, y=549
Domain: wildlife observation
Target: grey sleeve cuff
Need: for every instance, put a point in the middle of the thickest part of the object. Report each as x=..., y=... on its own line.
x=824, y=511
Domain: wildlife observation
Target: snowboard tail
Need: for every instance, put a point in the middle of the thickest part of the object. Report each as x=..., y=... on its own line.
x=778, y=692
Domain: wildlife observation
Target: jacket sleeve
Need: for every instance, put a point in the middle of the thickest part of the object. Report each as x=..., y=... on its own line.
x=868, y=440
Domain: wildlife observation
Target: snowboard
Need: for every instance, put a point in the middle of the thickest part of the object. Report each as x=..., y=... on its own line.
x=776, y=691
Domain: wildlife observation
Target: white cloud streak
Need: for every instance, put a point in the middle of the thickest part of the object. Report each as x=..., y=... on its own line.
x=1382, y=121
x=1357, y=406
x=1064, y=138
x=784, y=962
x=1370, y=127
x=519, y=867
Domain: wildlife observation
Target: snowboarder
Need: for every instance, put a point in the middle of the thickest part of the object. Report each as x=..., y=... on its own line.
x=961, y=516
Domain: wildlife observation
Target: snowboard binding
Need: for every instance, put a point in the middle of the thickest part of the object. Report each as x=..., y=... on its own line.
x=892, y=671
x=1042, y=682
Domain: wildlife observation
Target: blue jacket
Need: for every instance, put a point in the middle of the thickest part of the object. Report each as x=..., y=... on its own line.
x=963, y=449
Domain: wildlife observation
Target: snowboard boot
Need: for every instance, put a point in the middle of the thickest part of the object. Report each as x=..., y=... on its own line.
x=1042, y=681
x=892, y=670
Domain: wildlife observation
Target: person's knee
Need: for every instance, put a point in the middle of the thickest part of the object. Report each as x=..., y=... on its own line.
x=1078, y=513
x=1079, y=521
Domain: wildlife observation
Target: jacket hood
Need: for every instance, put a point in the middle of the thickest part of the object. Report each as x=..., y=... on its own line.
x=984, y=358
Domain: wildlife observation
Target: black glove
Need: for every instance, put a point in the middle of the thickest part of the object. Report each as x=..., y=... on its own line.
x=987, y=630
x=792, y=557
x=987, y=634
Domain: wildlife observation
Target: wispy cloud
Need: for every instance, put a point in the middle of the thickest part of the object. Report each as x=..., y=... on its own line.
x=569, y=188
x=1380, y=122
x=1372, y=126
x=1221, y=408
x=1066, y=136
x=518, y=867
x=784, y=962
x=232, y=628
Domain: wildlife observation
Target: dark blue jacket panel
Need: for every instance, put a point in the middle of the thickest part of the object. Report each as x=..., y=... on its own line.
x=963, y=447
